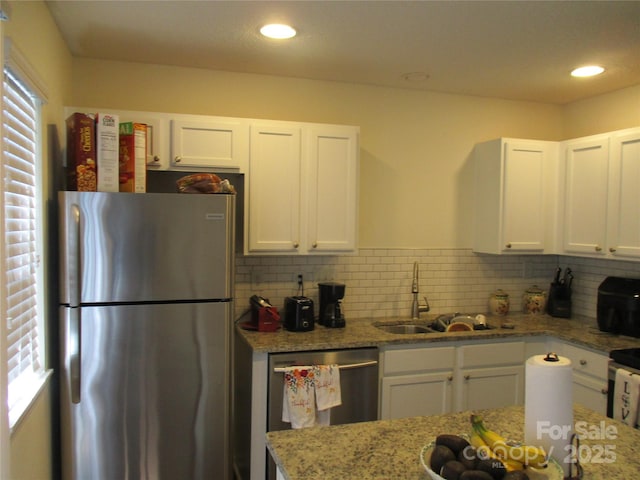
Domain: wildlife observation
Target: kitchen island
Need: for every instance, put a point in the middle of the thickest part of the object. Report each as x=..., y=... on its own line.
x=390, y=449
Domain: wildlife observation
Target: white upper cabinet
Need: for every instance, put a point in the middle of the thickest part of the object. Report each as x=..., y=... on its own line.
x=624, y=199
x=585, y=194
x=602, y=200
x=273, y=207
x=331, y=178
x=209, y=142
x=514, y=198
x=303, y=188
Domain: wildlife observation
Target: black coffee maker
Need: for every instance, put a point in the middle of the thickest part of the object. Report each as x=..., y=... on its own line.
x=331, y=293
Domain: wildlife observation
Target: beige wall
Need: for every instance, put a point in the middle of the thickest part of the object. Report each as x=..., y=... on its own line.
x=36, y=36
x=604, y=113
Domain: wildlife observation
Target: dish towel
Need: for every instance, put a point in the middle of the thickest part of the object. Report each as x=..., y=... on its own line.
x=298, y=402
x=309, y=394
x=328, y=393
x=626, y=394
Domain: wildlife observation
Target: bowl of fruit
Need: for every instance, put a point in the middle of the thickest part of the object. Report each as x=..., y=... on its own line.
x=484, y=455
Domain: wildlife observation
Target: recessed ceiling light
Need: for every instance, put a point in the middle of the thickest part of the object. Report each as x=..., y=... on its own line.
x=588, y=71
x=277, y=30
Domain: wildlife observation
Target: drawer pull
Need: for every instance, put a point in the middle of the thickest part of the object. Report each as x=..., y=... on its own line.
x=583, y=362
x=604, y=391
x=450, y=378
x=467, y=377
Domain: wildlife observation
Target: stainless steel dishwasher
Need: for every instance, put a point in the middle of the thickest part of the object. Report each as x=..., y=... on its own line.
x=358, y=385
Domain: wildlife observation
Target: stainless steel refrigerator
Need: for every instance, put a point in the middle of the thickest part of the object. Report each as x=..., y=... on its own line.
x=146, y=307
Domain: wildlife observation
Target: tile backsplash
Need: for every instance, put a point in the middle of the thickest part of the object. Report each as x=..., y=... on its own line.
x=378, y=281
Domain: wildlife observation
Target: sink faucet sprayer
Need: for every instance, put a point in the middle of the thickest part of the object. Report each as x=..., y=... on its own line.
x=416, y=308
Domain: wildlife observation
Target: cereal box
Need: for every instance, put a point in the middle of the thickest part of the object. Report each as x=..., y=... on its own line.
x=107, y=152
x=133, y=157
x=81, y=153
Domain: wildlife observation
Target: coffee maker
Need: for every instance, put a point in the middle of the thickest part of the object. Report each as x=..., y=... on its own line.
x=331, y=294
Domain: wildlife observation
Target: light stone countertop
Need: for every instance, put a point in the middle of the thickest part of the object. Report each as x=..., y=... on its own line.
x=362, y=333
x=390, y=449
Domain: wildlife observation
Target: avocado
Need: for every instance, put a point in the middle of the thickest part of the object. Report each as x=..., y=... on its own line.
x=493, y=467
x=468, y=457
x=455, y=442
x=452, y=470
x=439, y=456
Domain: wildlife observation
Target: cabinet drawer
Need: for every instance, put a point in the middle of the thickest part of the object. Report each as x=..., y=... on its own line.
x=409, y=360
x=485, y=355
x=587, y=362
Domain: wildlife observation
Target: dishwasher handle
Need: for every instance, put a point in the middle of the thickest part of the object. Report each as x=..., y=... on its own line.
x=348, y=366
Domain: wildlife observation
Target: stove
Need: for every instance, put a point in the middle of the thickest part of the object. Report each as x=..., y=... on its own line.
x=626, y=357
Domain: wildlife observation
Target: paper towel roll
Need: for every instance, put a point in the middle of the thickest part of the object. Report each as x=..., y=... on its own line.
x=548, y=405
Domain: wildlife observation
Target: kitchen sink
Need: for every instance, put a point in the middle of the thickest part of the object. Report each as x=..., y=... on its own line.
x=403, y=328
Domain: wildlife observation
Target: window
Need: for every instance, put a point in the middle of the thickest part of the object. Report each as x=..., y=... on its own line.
x=22, y=275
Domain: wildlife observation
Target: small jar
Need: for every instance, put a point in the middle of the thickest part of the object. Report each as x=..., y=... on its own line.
x=499, y=303
x=534, y=300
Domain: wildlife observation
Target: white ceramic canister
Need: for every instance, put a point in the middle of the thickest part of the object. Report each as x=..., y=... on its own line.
x=534, y=300
x=499, y=302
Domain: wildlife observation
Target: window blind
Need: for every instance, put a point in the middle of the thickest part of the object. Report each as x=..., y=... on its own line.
x=20, y=120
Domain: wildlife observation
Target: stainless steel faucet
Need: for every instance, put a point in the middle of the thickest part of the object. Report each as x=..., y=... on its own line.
x=416, y=308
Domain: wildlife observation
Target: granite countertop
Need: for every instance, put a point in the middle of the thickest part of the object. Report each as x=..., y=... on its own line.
x=390, y=449
x=363, y=333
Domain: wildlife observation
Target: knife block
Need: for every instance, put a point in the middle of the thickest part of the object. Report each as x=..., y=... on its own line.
x=559, y=303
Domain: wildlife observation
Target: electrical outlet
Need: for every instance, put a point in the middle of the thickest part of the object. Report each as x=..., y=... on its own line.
x=299, y=279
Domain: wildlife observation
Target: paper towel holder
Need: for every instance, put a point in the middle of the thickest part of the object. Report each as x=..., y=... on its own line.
x=575, y=445
x=551, y=357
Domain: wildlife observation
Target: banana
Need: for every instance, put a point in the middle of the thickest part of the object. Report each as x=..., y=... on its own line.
x=485, y=452
x=528, y=455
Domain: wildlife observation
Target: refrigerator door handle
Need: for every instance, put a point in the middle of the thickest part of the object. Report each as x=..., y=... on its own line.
x=72, y=352
x=74, y=256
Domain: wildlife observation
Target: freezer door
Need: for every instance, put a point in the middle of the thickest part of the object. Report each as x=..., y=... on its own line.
x=148, y=397
x=126, y=247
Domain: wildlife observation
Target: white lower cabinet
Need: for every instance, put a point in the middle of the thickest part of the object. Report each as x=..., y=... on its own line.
x=417, y=381
x=590, y=382
x=490, y=375
x=426, y=380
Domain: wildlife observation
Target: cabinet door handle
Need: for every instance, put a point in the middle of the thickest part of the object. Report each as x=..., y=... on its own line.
x=156, y=159
x=296, y=244
x=178, y=159
x=612, y=249
x=598, y=248
x=450, y=378
x=467, y=377
x=315, y=245
x=508, y=245
x=604, y=391
x=583, y=362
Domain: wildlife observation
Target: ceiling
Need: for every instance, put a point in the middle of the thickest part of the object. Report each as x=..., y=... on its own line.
x=520, y=50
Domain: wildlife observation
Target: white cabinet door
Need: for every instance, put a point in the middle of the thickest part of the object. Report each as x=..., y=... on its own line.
x=624, y=196
x=494, y=387
x=590, y=392
x=415, y=395
x=331, y=175
x=213, y=143
x=586, y=193
x=514, y=196
x=274, y=189
x=302, y=189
